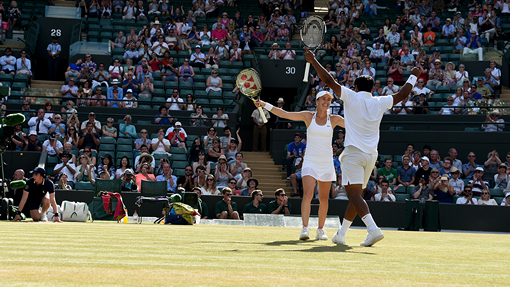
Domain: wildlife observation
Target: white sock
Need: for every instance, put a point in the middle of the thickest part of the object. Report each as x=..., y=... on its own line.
x=369, y=222
x=345, y=226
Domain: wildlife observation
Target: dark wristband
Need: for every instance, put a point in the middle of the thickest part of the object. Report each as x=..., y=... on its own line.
x=56, y=215
x=18, y=212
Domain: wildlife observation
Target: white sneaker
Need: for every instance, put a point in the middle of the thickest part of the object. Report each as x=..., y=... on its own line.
x=44, y=217
x=321, y=235
x=305, y=234
x=338, y=238
x=373, y=238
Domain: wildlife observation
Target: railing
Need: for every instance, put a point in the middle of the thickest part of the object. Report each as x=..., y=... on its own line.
x=41, y=96
x=477, y=108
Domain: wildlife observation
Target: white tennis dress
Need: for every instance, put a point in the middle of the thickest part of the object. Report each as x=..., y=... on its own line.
x=318, y=162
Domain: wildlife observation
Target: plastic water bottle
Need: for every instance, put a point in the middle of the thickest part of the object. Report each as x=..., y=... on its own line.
x=135, y=217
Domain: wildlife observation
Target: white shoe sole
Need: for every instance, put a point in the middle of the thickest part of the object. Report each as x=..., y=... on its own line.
x=304, y=237
x=324, y=238
x=374, y=241
x=337, y=241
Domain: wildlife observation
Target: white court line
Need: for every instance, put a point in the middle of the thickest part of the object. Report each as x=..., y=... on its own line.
x=74, y=253
x=116, y=263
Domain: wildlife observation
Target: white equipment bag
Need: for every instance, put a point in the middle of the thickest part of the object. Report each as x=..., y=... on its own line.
x=74, y=211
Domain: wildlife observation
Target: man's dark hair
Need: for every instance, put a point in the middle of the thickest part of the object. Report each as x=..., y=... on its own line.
x=427, y=147
x=279, y=191
x=144, y=146
x=385, y=181
x=364, y=83
x=411, y=145
x=255, y=193
x=226, y=129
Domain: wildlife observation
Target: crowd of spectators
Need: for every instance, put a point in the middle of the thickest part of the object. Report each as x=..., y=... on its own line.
x=403, y=43
x=216, y=163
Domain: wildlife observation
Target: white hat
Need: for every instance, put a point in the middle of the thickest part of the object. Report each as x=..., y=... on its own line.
x=32, y=133
x=479, y=168
x=178, y=124
x=425, y=158
x=322, y=93
x=507, y=194
x=129, y=91
x=115, y=81
x=156, y=22
x=280, y=100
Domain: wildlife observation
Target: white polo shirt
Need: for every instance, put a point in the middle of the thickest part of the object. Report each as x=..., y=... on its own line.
x=363, y=114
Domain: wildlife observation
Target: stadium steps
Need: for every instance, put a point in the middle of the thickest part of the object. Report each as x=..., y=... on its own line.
x=266, y=172
x=42, y=84
x=505, y=93
x=45, y=89
x=13, y=43
x=65, y=3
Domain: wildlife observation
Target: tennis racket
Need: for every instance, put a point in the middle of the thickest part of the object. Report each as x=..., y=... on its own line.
x=248, y=82
x=312, y=34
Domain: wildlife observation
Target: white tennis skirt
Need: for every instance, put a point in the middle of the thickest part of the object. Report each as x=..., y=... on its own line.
x=321, y=169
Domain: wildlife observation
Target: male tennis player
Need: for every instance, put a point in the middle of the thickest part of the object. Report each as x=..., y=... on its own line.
x=363, y=114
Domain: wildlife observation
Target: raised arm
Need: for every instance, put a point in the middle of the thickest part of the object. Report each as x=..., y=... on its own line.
x=326, y=77
x=407, y=88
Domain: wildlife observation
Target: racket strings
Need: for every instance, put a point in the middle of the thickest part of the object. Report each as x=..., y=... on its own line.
x=312, y=33
x=248, y=82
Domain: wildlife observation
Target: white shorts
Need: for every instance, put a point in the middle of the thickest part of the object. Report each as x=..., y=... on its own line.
x=357, y=166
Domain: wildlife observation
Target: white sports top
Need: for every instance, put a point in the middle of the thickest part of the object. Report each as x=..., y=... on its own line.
x=363, y=115
x=318, y=161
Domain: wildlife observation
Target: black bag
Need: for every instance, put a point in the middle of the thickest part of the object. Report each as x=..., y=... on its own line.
x=412, y=216
x=431, y=221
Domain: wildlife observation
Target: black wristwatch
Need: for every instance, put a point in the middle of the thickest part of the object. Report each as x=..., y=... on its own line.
x=18, y=212
x=286, y=206
x=56, y=215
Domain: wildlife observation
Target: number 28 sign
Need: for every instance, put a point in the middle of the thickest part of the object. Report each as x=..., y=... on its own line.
x=56, y=32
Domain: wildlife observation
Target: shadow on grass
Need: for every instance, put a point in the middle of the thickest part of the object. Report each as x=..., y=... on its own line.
x=328, y=248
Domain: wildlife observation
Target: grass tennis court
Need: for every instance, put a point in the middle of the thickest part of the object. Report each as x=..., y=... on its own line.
x=111, y=254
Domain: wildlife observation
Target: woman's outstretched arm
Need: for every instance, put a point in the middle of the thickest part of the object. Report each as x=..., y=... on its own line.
x=304, y=116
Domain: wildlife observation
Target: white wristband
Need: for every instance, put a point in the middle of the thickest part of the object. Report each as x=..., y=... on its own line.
x=268, y=107
x=412, y=80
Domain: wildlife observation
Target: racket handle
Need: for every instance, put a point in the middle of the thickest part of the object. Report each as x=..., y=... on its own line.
x=262, y=115
x=307, y=71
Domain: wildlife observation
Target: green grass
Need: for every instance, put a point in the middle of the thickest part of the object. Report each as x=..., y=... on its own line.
x=111, y=254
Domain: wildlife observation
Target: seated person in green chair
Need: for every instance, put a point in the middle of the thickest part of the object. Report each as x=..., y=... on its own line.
x=226, y=208
x=256, y=206
x=85, y=171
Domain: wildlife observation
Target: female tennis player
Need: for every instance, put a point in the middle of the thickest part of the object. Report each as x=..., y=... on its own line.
x=318, y=165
